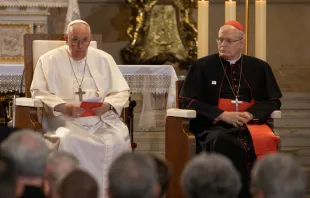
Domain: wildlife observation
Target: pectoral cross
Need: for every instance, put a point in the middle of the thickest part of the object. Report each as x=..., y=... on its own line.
x=80, y=93
x=237, y=102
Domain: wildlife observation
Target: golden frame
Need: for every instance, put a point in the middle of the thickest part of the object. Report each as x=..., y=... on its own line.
x=11, y=42
x=140, y=51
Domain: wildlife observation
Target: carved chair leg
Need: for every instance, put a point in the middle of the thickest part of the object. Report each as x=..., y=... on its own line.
x=34, y=119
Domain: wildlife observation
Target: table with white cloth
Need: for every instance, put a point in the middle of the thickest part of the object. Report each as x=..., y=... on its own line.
x=11, y=77
x=151, y=81
x=148, y=80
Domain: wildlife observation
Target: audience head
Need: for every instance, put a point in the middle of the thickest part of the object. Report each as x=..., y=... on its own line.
x=29, y=152
x=59, y=164
x=7, y=177
x=163, y=174
x=78, y=184
x=230, y=41
x=212, y=176
x=278, y=175
x=133, y=175
x=78, y=38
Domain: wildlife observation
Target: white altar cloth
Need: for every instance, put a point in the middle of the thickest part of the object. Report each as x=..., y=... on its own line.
x=10, y=77
x=150, y=80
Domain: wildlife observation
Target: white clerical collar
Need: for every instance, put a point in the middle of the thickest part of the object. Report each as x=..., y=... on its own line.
x=234, y=61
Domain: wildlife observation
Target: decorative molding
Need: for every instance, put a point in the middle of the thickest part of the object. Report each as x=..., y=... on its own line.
x=23, y=11
x=22, y=8
x=34, y=3
x=22, y=14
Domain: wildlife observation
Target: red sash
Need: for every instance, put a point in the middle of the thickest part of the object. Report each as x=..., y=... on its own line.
x=263, y=138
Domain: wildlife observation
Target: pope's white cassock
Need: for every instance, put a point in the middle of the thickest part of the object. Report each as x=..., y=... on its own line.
x=94, y=140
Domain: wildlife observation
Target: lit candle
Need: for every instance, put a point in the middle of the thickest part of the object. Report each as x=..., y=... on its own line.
x=203, y=28
x=260, y=29
x=230, y=10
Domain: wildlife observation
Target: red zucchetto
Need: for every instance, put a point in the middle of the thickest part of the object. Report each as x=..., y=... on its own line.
x=236, y=24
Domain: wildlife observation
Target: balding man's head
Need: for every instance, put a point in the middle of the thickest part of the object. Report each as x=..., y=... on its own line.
x=278, y=175
x=133, y=175
x=210, y=175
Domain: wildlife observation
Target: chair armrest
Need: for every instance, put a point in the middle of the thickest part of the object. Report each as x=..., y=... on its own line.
x=51, y=137
x=275, y=114
x=181, y=113
x=184, y=113
x=28, y=102
x=126, y=105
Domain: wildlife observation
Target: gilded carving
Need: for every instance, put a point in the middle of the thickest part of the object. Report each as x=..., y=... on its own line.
x=161, y=34
x=11, y=41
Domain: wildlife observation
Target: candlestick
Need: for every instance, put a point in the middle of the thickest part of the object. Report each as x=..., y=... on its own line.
x=203, y=28
x=260, y=29
x=230, y=10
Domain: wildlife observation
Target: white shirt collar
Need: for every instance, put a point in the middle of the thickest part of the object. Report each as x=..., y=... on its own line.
x=234, y=61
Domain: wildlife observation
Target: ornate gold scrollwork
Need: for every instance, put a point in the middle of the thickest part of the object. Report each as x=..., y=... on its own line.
x=161, y=34
x=11, y=37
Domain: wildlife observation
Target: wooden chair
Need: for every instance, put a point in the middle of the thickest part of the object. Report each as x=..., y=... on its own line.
x=26, y=109
x=180, y=143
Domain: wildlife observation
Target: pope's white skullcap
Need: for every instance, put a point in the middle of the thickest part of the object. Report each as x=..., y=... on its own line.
x=77, y=22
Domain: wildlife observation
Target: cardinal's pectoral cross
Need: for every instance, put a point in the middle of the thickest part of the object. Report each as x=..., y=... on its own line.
x=237, y=102
x=80, y=93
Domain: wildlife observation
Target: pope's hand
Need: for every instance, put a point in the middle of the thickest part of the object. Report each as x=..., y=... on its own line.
x=72, y=110
x=101, y=110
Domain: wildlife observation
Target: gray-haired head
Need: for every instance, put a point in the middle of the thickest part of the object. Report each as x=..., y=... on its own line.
x=78, y=21
x=212, y=176
x=59, y=165
x=29, y=151
x=133, y=175
x=278, y=175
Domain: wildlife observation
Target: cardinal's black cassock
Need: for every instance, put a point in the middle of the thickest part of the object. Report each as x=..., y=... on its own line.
x=214, y=85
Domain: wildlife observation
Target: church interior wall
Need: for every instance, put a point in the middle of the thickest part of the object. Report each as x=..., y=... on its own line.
x=287, y=31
